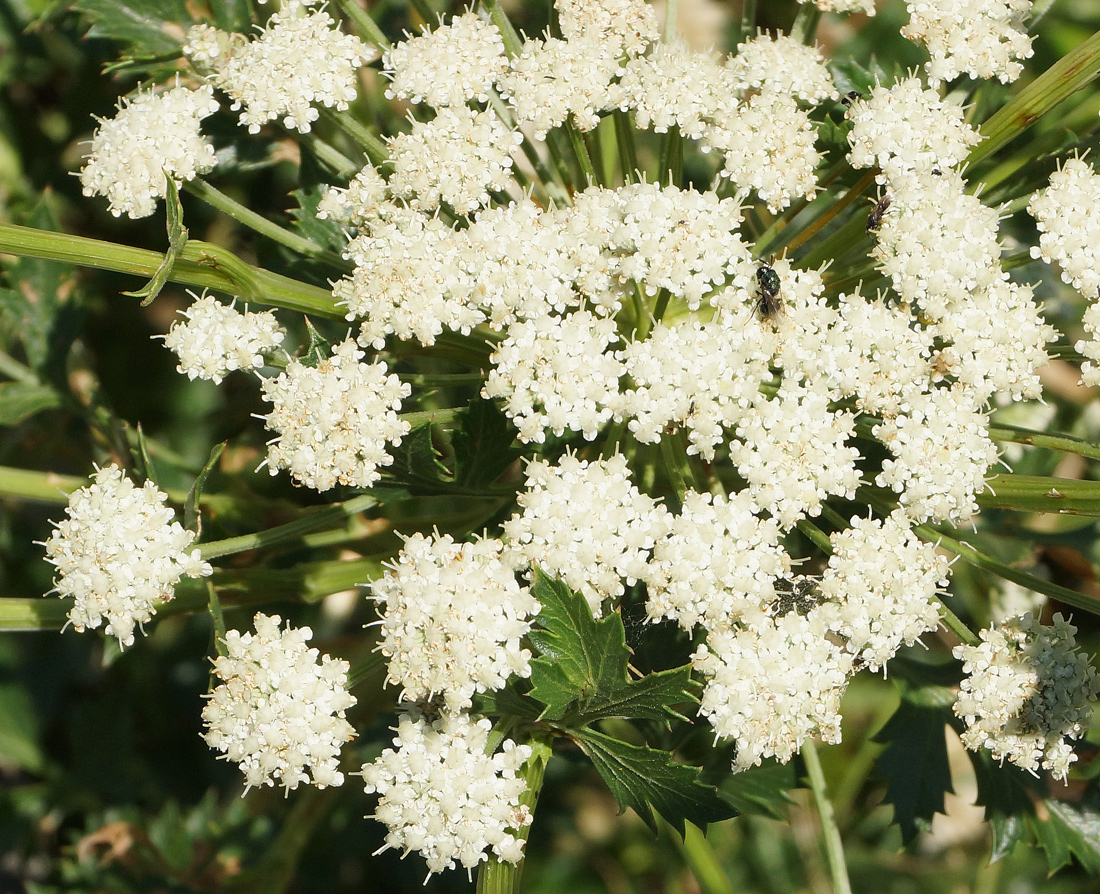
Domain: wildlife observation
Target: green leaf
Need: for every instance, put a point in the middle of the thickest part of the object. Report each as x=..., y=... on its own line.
x=647, y=780
x=1004, y=792
x=326, y=233
x=177, y=239
x=584, y=661
x=18, y=730
x=416, y=461
x=914, y=763
x=192, y=520
x=42, y=310
x=763, y=790
x=21, y=400
x=320, y=348
x=151, y=27
x=483, y=445
x=1069, y=829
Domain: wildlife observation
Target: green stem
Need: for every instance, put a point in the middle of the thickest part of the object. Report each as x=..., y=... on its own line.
x=201, y=265
x=805, y=23
x=1063, y=78
x=367, y=27
x=513, y=45
x=702, y=861
x=1036, y=493
x=834, y=847
x=1065, y=443
x=580, y=152
x=975, y=557
x=429, y=15
x=234, y=209
x=822, y=220
x=624, y=142
x=495, y=877
x=324, y=518
x=373, y=146
x=747, y=25
x=670, y=20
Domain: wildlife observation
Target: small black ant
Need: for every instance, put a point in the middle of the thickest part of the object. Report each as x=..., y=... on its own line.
x=874, y=219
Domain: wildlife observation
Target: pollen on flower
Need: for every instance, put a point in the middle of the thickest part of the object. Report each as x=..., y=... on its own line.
x=279, y=713
x=440, y=794
x=217, y=339
x=152, y=136
x=334, y=421
x=453, y=617
x=1027, y=690
x=119, y=553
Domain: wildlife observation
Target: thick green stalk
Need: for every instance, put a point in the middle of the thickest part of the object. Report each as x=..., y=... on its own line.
x=1063, y=78
x=217, y=199
x=834, y=847
x=495, y=877
x=201, y=265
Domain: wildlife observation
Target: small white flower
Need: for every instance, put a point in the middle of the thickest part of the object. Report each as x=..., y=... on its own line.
x=981, y=38
x=153, y=134
x=456, y=158
x=217, y=339
x=447, y=66
x=585, y=522
x=443, y=796
x=452, y=620
x=782, y=64
x=297, y=61
x=1027, y=690
x=1067, y=215
x=278, y=713
x=908, y=127
x=334, y=421
x=119, y=553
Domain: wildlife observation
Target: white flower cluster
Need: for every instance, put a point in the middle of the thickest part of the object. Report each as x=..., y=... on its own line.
x=455, y=158
x=334, y=420
x=586, y=523
x=119, y=553
x=981, y=38
x=217, y=339
x=718, y=563
x=773, y=684
x=298, y=60
x=782, y=64
x=154, y=135
x=1067, y=215
x=452, y=620
x=442, y=795
x=447, y=66
x=877, y=593
x=1027, y=690
x=278, y=713
x=556, y=373
x=908, y=127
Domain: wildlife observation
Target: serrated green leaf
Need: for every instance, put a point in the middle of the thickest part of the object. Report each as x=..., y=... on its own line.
x=1069, y=829
x=763, y=790
x=914, y=763
x=21, y=400
x=483, y=444
x=646, y=780
x=1008, y=831
x=151, y=27
x=584, y=661
x=41, y=311
x=415, y=459
x=320, y=348
x=326, y=233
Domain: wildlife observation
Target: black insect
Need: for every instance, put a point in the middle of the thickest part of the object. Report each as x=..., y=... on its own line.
x=850, y=97
x=874, y=219
x=769, y=305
